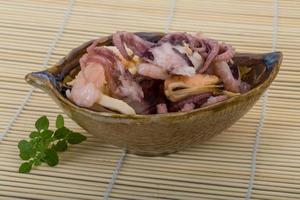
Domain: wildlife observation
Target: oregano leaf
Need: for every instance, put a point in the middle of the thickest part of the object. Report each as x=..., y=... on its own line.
x=25, y=167
x=34, y=134
x=43, y=144
x=37, y=162
x=26, y=150
x=75, y=138
x=61, y=133
x=51, y=157
x=46, y=134
x=61, y=145
x=59, y=121
x=42, y=123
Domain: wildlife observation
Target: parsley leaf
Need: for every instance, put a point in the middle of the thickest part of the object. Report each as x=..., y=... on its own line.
x=43, y=144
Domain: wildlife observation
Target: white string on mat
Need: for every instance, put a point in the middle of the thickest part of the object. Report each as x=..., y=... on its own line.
x=115, y=175
x=44, y=65
x=171, y=16
x=264, y=107
x=124, y=152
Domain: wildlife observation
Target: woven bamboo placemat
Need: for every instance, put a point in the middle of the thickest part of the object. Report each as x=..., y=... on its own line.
x=257, y=158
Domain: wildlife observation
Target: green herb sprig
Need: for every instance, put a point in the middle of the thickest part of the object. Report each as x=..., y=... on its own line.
x=43, y=144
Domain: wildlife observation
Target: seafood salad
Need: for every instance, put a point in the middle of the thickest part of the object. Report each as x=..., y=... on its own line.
x=178, y=73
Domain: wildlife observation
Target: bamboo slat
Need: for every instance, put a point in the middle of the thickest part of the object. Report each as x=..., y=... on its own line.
x=36, y=34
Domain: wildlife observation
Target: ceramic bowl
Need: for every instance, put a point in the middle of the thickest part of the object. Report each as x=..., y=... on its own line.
x=160, y=133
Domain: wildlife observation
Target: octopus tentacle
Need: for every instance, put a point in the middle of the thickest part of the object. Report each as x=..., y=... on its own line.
x=195, y=43
x=138, y=45
x=227, y=53
x=161, y=108
x=188, y=107
x=197, y=100
x=222, y=70
x=174, y=38
x=214, y=99
x=214, y=50
x=200, y=48
x=120, y=82
x=118, y=39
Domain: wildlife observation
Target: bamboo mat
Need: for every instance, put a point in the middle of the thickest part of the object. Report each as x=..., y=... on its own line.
x=257, y=158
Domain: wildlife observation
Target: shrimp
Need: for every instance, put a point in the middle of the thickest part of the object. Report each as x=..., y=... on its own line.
x=87, y=86
x=102, y=72
x=222, y=70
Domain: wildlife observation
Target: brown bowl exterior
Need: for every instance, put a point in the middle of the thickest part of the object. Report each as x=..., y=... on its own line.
x=161, y=133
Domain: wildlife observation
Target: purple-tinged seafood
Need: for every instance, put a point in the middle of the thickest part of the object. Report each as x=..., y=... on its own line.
x=179, y=72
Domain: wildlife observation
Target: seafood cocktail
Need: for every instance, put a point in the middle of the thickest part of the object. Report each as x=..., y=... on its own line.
x=178, y=73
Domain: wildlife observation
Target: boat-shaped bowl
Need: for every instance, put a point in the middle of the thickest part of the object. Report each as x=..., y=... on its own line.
x=159, y=134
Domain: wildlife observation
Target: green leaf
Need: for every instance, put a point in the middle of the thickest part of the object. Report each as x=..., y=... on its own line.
x=59, y=121
x=23, y=144
x=47, y=142
x=35, y=140
x=60, y=145
x=37, y=162
x=46, y=134
x=40, y=147
x=44, y=144
x=51, y=157
x=25, y=156
x=75, y=138
x=61, y=133
x=26, y=150
x=25, y=167
x=34, y=134
x=42, y=123
x=41, y=155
